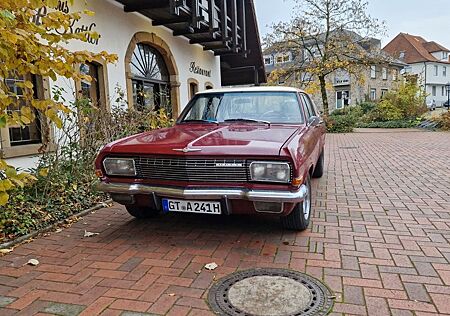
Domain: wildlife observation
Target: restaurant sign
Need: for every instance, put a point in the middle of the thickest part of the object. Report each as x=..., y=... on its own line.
x=199, y=71
x=75, y=27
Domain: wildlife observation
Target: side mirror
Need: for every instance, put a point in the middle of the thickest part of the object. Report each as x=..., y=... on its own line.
x=314, y=121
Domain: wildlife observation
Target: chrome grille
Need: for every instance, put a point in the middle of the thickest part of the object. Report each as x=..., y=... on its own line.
x=189, y=169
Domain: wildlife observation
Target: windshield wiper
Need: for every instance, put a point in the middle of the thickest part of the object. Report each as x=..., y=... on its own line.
x=200, y=121
x=248, y=120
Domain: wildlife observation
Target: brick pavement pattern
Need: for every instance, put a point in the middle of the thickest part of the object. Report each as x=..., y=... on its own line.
x=379, y=239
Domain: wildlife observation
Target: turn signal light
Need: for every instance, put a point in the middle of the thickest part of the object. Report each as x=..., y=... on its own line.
x=297, y=181
x=99, y=173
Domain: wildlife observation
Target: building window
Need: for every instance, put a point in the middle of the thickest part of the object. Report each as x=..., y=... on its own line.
x=268, y=60
x=283, y=58
x=436, y=71
x=93, y=90
x=443, y=91
x=384, y=73
x=150, y=79
x=445, y=55
x=209, y=86
x=433, y=91
x=193, y=87
x=395, y=74
x=384, y=92
x=342, y=99
x=373, y=72
x=373, y=94
x=15, y=137
x=444, y=71
x=402, y=55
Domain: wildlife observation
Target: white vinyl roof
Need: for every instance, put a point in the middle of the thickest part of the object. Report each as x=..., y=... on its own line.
x=251, y=89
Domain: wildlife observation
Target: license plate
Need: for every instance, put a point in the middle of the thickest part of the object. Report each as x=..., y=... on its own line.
x=191, y=206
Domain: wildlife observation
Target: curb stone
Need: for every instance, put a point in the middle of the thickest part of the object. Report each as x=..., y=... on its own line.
x=46, y=229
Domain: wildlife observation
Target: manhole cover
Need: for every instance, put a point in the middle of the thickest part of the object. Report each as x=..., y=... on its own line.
x=270, y=292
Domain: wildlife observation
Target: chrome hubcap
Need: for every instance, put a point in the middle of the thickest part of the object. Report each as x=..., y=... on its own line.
x=307, y=203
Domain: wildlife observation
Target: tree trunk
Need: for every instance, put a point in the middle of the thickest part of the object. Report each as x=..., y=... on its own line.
x=323, y=91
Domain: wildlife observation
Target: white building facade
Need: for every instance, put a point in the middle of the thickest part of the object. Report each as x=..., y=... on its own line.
x=160, y=64
x=428, y=61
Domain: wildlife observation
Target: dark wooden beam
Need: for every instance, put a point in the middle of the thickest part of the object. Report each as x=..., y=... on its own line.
x=171, y=21
x=243, y=25
x=234, y=25
x=214, y=37
x=217, y=47
x=187, y=31
x=195, y=14
x=146, y=5
x=224, y=18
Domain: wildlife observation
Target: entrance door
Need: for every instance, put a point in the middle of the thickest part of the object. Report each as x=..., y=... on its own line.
x=342, y=99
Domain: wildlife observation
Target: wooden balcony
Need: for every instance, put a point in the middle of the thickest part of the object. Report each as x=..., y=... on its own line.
x=226, y=27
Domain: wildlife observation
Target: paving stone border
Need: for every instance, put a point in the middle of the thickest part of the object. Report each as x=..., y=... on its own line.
x=48, y=228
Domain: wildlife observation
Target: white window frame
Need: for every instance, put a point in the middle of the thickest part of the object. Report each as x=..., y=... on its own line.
x=373, y=72
x=444, y=71
x=270, y=59
x=373, y=94
x=436, y=70
x=285, y=58
x=395, y=74
x=384, y=73
x=433, y=91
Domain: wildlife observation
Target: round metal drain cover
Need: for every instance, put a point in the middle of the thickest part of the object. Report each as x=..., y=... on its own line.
x=270, y=292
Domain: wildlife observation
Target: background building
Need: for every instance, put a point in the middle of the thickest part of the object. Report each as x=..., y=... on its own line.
x=167, y=51
x=429, y=61
x=343, y=88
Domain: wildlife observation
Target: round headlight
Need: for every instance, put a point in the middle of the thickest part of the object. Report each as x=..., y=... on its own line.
x=259, y=170
x=282, y=175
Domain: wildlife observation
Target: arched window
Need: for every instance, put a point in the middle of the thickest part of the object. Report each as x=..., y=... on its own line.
x=150, y=79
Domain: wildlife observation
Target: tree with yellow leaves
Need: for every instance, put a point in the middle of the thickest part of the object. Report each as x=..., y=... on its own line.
x=326, y=36
x=35, y=47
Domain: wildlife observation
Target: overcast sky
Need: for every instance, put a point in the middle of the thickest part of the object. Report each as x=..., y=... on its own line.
x=427, y=18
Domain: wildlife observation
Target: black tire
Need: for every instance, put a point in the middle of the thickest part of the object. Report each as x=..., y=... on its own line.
x=299, y=219
x=318, y=170
x=141, y=211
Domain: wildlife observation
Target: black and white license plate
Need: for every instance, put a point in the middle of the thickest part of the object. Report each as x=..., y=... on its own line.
x=170, y=205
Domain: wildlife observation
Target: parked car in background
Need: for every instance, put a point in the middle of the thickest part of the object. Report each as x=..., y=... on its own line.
x=232, y=151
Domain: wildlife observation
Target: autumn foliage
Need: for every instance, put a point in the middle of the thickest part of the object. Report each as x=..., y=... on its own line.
x=39, y=49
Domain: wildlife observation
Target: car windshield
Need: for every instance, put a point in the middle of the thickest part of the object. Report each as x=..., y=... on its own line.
x=251, y=107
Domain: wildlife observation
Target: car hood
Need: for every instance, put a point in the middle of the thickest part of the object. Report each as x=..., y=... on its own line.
x=208, y=139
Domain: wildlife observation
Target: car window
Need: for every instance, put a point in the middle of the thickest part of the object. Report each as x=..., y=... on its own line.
x=309, y=105
x=274, y=107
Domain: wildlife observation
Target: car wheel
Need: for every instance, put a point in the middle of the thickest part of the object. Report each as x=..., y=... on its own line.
x=300, y=216
x=141, y=211
x=318, y=170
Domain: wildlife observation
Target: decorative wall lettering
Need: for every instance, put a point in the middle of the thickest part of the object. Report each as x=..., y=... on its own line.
x=74, y=28
x=199, y=71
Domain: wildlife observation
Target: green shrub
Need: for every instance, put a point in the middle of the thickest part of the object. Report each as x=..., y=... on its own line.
x=339, y=124
x=389, y=124
x=65, y=182
x=444, y=121
x=366, y=107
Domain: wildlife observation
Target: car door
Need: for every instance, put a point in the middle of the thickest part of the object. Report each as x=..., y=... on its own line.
x=315, y=126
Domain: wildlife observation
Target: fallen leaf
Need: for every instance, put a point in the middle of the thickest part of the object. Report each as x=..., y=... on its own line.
x=90, y=234
x=5, y=251
x=33, y=262
x=58, y=230
x=172, y=294
x=211, y=266
x=198, y=272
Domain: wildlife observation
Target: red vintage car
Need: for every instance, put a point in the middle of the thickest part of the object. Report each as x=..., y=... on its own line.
x=232, y=151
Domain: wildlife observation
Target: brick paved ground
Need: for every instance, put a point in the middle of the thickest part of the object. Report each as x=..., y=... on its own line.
x=379, y=239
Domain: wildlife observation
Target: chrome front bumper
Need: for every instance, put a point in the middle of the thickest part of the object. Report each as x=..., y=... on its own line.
x=205, y=193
